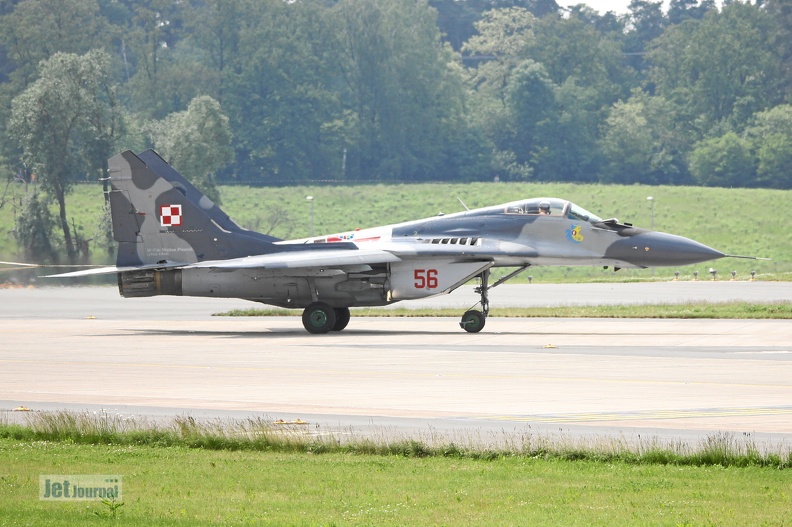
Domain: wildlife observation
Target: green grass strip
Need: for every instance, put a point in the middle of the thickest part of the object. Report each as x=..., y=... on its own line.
x=194, y=487
x=260, y=472
x=257, y=434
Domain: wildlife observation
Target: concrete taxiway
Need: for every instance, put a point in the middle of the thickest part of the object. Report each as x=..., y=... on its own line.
x=89, y=349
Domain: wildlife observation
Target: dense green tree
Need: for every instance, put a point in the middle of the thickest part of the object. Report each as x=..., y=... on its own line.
x=278, y=95
x=541, y=99
x=403, y=90
x=370, y=89
x=641, y=144
x=717, y=70
x=455, y=20
x=33, y=229
x=214, y=27
x=531, y=101
x=775, y=162
x=627, y=143
x=771, y=137
x=681, y=10
x=724, y=161
x=37, y=29
x=570, y=150
x=571, y=48
x=780, y=11
x=645, y=23
x=554, y=128
x=542, y=8
x=197, y=142
x=160, y=81
x=504, y=35
x=66, y=123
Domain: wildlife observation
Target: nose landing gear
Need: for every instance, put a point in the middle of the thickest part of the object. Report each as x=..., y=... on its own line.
x=473, y=320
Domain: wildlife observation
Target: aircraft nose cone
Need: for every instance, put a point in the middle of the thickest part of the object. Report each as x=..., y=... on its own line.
x=658, y=249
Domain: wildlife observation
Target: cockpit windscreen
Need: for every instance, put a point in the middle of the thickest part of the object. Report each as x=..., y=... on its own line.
x=552, y=207
x=579, y=213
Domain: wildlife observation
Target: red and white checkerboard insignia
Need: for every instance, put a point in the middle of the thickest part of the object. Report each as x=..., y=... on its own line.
x=171, y=215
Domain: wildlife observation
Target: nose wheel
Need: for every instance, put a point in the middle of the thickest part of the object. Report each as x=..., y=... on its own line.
x=473, y=320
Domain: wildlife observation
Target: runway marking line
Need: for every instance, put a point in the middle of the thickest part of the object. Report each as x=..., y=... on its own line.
x=651, y=415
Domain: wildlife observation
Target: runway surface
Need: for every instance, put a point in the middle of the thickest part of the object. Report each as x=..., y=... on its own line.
x=89, y=349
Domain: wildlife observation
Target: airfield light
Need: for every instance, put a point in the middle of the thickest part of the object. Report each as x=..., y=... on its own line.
x=695, y=275
x=734, y=275
x=713, y=272
x=753, y=275
x=310, y=200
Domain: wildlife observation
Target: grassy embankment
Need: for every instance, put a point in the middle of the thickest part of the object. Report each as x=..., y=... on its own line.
x=262, y=473
x=736, y=221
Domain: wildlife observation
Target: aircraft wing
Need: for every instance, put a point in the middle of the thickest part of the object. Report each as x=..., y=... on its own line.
x=385, y=252
x=301, y=259
x=314, y=257
x=279, y=260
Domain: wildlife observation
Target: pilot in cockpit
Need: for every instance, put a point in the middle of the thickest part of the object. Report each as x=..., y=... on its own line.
x=544, y=207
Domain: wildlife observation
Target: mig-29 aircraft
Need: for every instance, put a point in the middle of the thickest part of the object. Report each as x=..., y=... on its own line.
x=172, y=240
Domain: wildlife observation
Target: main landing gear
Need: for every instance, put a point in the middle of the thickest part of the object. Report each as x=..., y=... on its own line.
x=320, y=317
x=473, y=320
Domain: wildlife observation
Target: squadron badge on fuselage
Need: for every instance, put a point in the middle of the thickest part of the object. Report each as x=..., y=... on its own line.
x=574, y=233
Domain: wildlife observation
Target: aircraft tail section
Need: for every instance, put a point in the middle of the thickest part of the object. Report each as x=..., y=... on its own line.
x=156, y=222
x=155, y=162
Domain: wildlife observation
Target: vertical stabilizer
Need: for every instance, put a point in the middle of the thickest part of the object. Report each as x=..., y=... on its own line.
x=155, y=222
x=161, y=167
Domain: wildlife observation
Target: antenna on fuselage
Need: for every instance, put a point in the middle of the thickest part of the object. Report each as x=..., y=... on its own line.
x=463, y=203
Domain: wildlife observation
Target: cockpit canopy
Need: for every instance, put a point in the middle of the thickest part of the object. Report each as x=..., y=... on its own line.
x=552, y=207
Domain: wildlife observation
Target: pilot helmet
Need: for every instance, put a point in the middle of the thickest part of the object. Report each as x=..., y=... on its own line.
x=544, y=205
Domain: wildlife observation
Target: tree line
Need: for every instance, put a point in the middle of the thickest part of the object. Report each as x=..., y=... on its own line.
x=285, y=92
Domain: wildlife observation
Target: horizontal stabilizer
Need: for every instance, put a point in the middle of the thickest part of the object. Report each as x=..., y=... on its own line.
x=49, y=266
x=114, y=269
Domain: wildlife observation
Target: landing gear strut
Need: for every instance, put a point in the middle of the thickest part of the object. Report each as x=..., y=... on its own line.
x=473, y=320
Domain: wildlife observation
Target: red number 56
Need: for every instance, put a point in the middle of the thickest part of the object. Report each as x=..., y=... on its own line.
x=425, y=279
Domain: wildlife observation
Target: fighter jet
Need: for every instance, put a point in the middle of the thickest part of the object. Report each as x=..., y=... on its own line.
x=173, y=240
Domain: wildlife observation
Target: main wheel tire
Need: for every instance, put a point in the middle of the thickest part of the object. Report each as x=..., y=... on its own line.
x=318, y=318
x=473, y=321
x=342, y=318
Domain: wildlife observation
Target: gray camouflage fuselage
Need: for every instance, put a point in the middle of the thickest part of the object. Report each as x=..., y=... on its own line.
x=188, y=254
x=172, y=240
